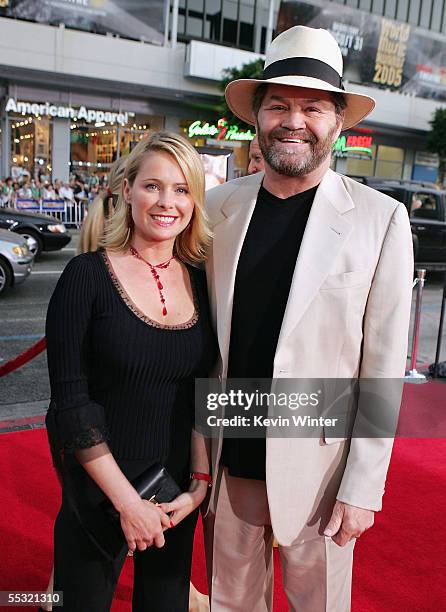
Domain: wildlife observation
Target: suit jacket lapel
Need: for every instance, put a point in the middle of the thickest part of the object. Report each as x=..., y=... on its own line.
x=229, y=235
x=324, y=236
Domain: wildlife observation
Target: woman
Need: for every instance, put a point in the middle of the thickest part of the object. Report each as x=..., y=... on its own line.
x=128, y=330
x=48, y=192
x=91, y=232
x=25, y=191
x=7, y=192
x=101, y=209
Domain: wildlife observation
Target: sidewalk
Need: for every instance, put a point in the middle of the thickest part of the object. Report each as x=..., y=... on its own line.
x=28, y=415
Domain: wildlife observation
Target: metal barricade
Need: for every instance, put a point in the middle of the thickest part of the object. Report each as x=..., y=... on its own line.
x=27, y=204
x=55, y=208
x=413, y=375
x=75, y=212
x=69, y=212
x=440, y=331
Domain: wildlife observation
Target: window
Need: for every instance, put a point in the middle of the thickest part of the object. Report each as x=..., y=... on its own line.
x=213, y=20
x=233, y=22
x=437, y=14
x=131, y=134
x=425, y=14
x=424, y=206
x=94, y=148
x=389, y=162
x=396, y=194
x=402, y=10
x=194, y=18
x=361, y=167
x=390, y=8
x=414, y=11
x=378, y=7
x=365, y=5
x=30, y=146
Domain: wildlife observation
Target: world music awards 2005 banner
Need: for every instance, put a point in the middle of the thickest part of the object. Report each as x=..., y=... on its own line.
x=377, y=51
x=137, y=20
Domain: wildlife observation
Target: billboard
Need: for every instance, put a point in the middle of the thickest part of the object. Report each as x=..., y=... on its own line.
x=377, y=51
x=135, y=19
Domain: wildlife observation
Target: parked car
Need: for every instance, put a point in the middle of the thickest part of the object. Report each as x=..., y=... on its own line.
x=16, y=260
x=426, y=206
x=42, y=232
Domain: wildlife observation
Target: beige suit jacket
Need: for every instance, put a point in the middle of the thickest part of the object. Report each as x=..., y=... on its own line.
x=347, y=316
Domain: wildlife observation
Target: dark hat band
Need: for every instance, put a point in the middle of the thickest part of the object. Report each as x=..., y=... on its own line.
x=304, y=66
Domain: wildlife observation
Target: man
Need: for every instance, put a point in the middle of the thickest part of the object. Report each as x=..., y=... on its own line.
x=66, y=192
x=310, y=276
x=256, y=163
x=25, y=191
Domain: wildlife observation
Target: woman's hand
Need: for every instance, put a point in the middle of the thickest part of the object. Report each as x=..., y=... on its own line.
x=186, y=503
x=143, y=524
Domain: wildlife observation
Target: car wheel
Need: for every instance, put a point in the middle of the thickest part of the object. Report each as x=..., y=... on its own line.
x=33, y=240
x=5, y=277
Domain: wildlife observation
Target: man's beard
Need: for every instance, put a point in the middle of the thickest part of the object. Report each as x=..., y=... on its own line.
x=288, y=162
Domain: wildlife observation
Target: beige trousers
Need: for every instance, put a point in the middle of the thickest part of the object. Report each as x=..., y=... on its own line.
x=316, y=574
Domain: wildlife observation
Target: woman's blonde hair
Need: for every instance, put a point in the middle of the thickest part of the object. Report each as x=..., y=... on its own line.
x=100, y=211
x=191, y=245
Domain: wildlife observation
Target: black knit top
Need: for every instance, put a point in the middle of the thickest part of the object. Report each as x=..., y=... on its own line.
x=115, y=374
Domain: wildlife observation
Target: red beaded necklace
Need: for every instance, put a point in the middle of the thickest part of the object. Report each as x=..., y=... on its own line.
x=156, y=277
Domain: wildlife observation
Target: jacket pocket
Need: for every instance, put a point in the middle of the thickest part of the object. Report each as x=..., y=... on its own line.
x=329, y=440
x=345, y=280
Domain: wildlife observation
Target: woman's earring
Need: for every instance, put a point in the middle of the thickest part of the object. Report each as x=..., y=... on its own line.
x=127, y=238
x=130, y=223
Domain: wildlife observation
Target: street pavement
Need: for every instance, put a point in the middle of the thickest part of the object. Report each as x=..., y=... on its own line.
x=26, y=392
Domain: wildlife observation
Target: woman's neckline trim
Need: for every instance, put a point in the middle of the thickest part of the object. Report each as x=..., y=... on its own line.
x=138, y=312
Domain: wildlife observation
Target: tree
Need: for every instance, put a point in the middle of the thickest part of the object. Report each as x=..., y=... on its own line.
x=252, y=70
x=436, y=141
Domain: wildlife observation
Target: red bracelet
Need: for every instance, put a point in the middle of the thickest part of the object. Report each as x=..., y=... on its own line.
x=201, y=476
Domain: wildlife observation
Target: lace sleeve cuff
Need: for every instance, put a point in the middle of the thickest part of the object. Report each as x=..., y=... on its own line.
x=77, y=427
x=87, y=439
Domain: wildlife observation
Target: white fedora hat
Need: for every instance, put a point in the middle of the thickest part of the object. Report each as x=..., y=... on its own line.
x=300, y=57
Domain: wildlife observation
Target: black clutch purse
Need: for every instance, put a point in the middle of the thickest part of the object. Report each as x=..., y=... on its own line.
x=155, y=485
x=102, y=523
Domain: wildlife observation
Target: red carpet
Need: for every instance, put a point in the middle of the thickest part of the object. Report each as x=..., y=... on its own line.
x=399, y=565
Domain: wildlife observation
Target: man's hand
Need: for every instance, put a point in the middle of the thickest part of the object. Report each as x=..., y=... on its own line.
x=348, y=522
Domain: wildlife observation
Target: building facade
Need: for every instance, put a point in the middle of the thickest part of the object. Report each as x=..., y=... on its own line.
x=82, y=81
x=394, y=51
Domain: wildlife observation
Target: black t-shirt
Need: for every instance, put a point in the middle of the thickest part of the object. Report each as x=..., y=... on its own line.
x=262, y=284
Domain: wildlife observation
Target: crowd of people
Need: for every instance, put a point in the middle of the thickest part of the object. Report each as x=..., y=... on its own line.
x=40, y=188
x=77, y=189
